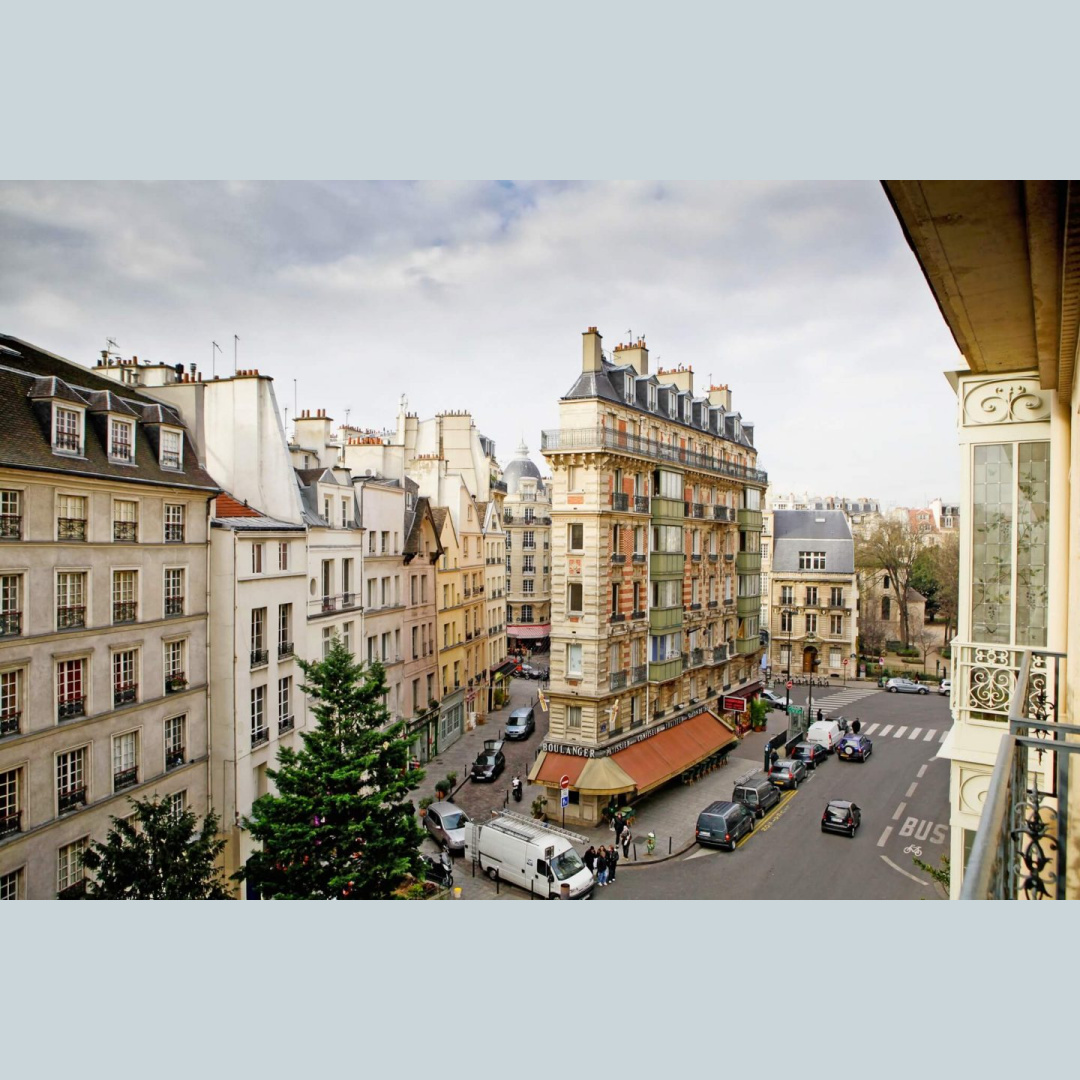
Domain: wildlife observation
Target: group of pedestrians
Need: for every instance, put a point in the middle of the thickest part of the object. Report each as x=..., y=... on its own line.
x=603, y=861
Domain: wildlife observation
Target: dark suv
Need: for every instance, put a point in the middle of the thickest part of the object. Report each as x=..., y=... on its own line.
x=757, y=794
x=723, y=824
x=489, y=762
x=809, y=753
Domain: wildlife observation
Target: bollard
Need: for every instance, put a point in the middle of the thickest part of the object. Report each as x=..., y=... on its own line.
x=635, y=853
x=669, y=845
x=497, y=877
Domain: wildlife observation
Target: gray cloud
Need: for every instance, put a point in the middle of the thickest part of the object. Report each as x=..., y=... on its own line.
x=803, y=297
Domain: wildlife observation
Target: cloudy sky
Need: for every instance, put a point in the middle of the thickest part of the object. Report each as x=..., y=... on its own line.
x=804, y=298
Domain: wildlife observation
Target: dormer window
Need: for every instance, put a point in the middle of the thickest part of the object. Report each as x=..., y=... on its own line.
x=172, y=449
x=652, y=398
x=630, y=388
x=121, y=441
x=67, y=430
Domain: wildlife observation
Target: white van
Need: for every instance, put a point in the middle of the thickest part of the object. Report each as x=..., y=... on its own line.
x=825, y=733
x=536, y=857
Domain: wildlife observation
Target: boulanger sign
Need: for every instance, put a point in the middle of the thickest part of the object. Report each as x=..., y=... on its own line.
x=622, y=744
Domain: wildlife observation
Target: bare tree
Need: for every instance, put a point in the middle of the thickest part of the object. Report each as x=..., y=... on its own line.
x=946, y=566
x=925, y=638
x=892, y=548
x=872, y=631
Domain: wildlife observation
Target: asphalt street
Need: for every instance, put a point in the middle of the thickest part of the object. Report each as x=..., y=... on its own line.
x=903, y=793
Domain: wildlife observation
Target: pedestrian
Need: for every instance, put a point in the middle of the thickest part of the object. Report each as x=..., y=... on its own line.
x=590, y=857
x=820, y=716
x=856, y=726
x=601, y=866
x=774, y=757
x=626, y=842
x=612, y=862
x=620, y=824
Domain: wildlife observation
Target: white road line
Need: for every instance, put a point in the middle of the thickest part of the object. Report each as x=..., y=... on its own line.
x=899, y=811
x=904, y=872
x=884, y=836
x=911, y=790
x=915, y=733
x=929, y=735
x=899, y=732
x=944, y=735
x=700, y=853
x=872, y=727
x=922, y=771
x=885, y=730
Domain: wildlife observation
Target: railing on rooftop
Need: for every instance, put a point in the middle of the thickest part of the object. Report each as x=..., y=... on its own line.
x=1022, y=842
x=597, y=438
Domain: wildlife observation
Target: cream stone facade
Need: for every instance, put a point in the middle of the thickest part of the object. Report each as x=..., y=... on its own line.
x=494, y=588
x=527, y=518
x=103, y=614
x=656, y=522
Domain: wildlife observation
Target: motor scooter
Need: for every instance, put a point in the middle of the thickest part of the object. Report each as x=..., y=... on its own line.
x=516, y=788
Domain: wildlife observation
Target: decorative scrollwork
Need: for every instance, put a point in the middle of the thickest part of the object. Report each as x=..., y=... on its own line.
x=1033, y=834
x=1017, y=401
x=987, y=654
x=989, y=688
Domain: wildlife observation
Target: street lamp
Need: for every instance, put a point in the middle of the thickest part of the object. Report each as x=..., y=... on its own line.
x=790, y=613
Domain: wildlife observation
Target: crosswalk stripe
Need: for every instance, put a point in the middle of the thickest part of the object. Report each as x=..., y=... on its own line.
x=943, y=735
x=871, y=728
x=915, y=733
x=898, y=733
x=930, y=734
x=885, y=730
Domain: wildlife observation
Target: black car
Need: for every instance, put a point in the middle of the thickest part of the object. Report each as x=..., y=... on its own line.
x=757, y=794
x=854, y=748
x=489, y=762
x=521, y=724
x=809, y=753
x=841, y=816
x=723, y=824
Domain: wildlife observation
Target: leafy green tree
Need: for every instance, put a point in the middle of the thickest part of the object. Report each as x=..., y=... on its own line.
x=924, y=579
x=157, y=854
x=939, y=874
x=340, y=825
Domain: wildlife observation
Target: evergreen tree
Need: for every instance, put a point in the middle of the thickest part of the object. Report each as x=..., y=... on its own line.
x=340, y=825
x=157, y=854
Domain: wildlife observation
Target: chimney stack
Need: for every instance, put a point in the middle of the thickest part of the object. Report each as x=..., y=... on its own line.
x=591, y=355
x=636, y=354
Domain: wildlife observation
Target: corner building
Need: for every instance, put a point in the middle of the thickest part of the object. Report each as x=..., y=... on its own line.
x=656, y=562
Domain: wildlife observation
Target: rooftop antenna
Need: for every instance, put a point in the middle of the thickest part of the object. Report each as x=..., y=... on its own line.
x=235, y=342
x=213, y=358
x=296, y=411
x=110, y=345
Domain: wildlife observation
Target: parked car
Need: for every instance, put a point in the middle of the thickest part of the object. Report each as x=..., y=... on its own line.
x=757, y=794
x=809, y=753
x=905, y=686
x=439, y=869
x=945, y=687
x=521, y=724
x=787, y=774
x=527, y=671
x=855, y=748
x=775, y=700
x=489, y=762
x=841, y=816
x=446, y=823
x=723, y=824
x=825, y=733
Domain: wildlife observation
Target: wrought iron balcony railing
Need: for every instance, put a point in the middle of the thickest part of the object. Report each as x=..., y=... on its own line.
x=10, y=526
x=174, y=757
x=70, y=798
x=597, y=438
x=286, y=723
x=11, y=823
x=259, y=657
x=175, y=683
x=75, y=891
x=9, y=722
x=284, y=649
x=124, y=611
x=125, y=778
x=70, y=617
x=174, y=534
x=259, y=736
x=641, y=504
x=620, y=501
x=174, y=605
x=618, y=680
x=125, y=530
x=618, y=558
x=639, y=674
x=125, y=693
x=68, y=708
x=10, y=623
x=1021, y=845
x=71, y=528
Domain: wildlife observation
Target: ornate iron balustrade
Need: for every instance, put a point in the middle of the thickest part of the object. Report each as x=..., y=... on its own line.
x=618, y=680
x=286, y=723
x=10, y=526
x=70, y=617
x=174, y=757
x=12, y=823
x=124, y=611
x=125, y=693
x=698, y=510
x=719, y=654
x=71, y=528
x=126, y=778
x=125, y=530
x=174, y=534
x=67, y=440
x=1022, y=842
x=618, y=559
x=70, y=707
x=75, y=891
x=639, y=557
x=603, y=438
x=697, y=657
x=9, y=722
x=259, y=657
x=723, y=513
x=69, y=798
x=259, y=736
x=174, y=605
x=285, y=648
x=10, y=623
x=641, y=504
x=170, y=459
x=639, y=674
x=175, y=682
x=620, y=501
x=714, y=556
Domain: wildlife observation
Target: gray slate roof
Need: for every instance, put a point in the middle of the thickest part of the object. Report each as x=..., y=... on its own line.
x=812, y=530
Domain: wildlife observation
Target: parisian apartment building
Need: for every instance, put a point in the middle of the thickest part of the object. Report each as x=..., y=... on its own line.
x=527, y=520
x=656, y=511
x=103, y=614
x=813, y=594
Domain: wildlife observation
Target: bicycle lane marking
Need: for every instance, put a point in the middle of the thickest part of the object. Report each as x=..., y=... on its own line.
x=901, y=870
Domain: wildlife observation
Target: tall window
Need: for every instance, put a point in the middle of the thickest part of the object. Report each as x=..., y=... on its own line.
x=811, y=622
x=573, y=660
x=836, y=625
x=574, y=598
x=526, y=613
x=11, y=608
x=10, y=701
x=10, y=802
x=257, y=558
x=71, y=779
x=70, y=875
x=528, y=540
x=10, y=515
x=175, y=673
x=346, y=581
x=786, y=618
x=174, y=591
x=175, y=738
x=834, y=659
x=125, y=519
x=528, y=564
x=11, y=885
x=125, y=672
x=172, y=449
x=384, y=543
x=71, y=517
x=836, y=596
x=260, y=733
x=125, y=584
x=259, y=652
x=67, y=430
x=327, y=640
x=811, y=596
x=121, y=440
x=70, y=688
x=283, y=556
x=573, y=717
x=174, y=523
x=125, y=760
x=886, y=608
x=575, y=537
x=284, y=704
x=284, y=630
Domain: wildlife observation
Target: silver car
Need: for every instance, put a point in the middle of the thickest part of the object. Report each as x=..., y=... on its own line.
x=446, y=822
x=905, y=686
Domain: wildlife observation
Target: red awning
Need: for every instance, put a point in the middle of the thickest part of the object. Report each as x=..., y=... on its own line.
x=529, y=631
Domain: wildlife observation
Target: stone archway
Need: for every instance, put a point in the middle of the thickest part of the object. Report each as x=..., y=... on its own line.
x=809, y=658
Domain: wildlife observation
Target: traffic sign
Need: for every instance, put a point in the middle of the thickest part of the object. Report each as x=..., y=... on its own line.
x=564, y=801
x=845, y=661
x=790, y=684
x=564, y=782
